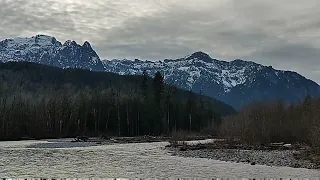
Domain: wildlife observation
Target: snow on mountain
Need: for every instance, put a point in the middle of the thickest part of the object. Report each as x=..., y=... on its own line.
x=19, y=48
x=193, y=68
x=237, y=82
x=47, y=50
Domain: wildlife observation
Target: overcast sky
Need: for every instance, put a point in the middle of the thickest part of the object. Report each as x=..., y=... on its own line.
x=281, y=33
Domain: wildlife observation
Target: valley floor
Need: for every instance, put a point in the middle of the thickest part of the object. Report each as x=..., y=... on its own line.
x=134, y=160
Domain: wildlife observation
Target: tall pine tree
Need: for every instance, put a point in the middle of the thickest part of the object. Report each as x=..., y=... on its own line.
x=158, y=85
x=144, y=84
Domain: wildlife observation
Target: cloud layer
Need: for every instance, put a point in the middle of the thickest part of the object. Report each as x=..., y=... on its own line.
x=284, y=33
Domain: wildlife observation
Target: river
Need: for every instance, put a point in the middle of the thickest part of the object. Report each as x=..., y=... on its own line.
x=144, y=160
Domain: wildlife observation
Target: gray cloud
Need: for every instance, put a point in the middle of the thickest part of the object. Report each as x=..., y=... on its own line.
x=281, y=33
x=21, y=18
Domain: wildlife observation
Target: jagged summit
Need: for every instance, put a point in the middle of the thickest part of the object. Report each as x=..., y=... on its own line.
x=38, y=40
x=47, y=50
x=42, y=37
x=70, y=43
x=198, y=55
x=86, y=44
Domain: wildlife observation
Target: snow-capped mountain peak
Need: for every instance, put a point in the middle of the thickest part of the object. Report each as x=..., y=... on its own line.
x=199, y=55
x=86, y=44
x=24, y=43
x=70, y=43
x=47, y=50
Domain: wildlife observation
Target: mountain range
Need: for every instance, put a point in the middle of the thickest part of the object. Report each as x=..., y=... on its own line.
x=237, y=82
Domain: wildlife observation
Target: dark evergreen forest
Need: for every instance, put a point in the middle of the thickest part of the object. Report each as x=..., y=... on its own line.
x=40, y=101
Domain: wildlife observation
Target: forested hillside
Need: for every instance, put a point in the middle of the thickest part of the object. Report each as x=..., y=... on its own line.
x=41, y=102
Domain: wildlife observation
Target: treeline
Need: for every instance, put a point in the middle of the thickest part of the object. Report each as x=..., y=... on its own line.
x=45, y=102
x=271, y=122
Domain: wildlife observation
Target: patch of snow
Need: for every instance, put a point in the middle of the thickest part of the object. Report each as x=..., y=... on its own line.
x=95, y=60
x=183, y=68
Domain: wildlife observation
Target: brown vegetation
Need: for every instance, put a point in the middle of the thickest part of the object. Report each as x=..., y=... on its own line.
x=263, y=123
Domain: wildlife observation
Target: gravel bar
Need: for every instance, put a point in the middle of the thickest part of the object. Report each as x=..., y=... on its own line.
x=253, y=157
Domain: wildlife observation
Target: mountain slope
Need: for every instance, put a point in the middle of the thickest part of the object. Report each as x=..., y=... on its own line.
x=46, y=102
x=47, y=50
x=237, y=83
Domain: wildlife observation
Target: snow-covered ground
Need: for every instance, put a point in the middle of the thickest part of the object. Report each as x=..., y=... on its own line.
x=124, y=160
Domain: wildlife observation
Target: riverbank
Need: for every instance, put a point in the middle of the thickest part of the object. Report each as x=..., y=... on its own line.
x=296, y=156
x=98, y=141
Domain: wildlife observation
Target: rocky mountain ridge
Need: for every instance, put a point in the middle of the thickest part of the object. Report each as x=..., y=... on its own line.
x=237, y=82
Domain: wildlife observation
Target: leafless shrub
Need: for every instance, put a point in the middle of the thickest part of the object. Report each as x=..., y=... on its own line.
x=178, y=138
x=270, y=122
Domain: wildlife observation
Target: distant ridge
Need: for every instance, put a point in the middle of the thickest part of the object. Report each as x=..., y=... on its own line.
x=237, y=83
